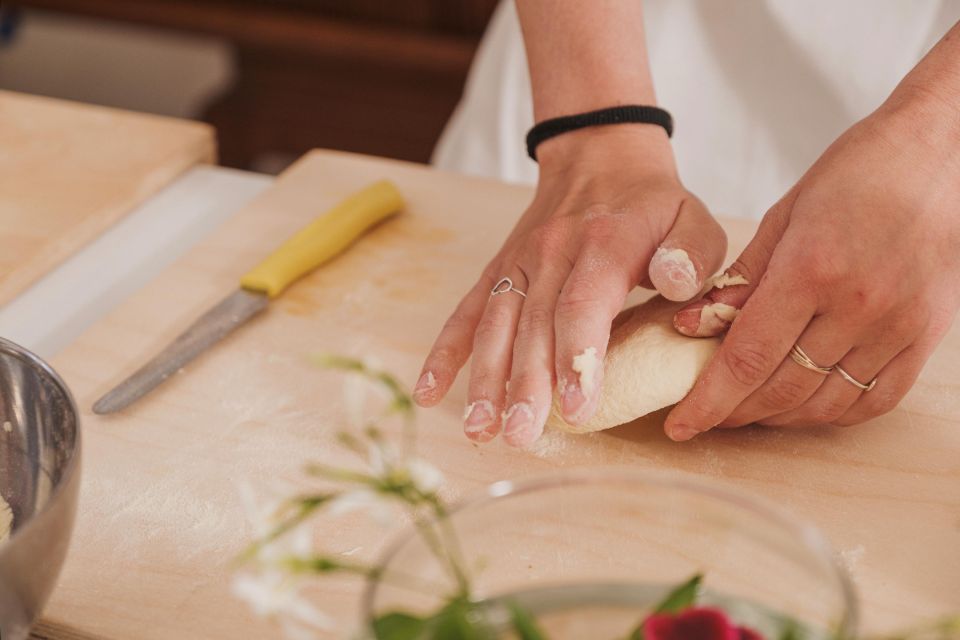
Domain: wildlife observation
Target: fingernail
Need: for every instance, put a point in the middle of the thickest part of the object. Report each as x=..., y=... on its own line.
x=519, y=425
x=572, y=401
x=673, y=274
x=682, y=433
x=425, y=384
x=687, y=321
x=477, y=420
x=705, y=320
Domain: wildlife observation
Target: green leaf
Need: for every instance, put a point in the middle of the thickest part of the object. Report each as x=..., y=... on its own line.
x=459, y=620
x=790, y=631
x=682, y=597
x=524, y=623
x=677, y=600
x=398, y=626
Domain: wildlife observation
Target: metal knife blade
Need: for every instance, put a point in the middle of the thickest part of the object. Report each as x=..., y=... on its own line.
x=210, y=328
x=315, y=244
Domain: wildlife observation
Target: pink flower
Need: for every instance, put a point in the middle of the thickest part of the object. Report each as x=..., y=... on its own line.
x=698, y=623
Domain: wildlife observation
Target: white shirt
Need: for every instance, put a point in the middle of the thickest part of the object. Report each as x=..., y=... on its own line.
x=758, y=88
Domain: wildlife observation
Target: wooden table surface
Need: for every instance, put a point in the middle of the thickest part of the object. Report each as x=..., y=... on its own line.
x=68, y=171
x=160, y=519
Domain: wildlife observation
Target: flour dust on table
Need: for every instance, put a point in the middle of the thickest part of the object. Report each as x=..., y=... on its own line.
x=648, y=366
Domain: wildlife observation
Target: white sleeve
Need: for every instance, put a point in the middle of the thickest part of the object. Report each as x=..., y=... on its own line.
x=485, y=135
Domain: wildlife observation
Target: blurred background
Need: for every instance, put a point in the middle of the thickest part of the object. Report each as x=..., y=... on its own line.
x=275, y=77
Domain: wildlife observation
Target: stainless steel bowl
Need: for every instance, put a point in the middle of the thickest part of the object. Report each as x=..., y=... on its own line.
x=39, y=479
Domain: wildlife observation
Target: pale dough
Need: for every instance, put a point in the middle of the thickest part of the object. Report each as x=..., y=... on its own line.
x=648, y=366
x=726, y=280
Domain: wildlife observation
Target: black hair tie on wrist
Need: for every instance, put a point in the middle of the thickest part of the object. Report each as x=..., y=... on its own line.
x=613, y=115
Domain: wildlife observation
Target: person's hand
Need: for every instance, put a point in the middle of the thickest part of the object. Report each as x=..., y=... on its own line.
x=858, y=264
x=607, y=199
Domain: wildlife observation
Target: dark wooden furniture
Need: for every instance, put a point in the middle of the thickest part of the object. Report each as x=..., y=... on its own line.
x=372, y=76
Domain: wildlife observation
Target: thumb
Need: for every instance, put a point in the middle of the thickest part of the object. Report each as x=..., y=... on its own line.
x=711, y=315
x=693, y=249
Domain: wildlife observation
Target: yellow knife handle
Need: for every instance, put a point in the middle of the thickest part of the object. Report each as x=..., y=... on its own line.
x=324, y=238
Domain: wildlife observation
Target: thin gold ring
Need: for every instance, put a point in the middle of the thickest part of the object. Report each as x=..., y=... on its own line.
x=504, y=286
x=804, y=360
x=859, y=385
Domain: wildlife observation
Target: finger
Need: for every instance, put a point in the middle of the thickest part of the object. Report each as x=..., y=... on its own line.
x=882, y=344
x=453, y=346
x=777, y=308
x=755, y=346
x=692, y=251
x=592, y=296
x=825, y=341
x=492, y=354
x=712, y=315
x=836, y=395
x=898, y=377
x=893, y=383
x=531, y=377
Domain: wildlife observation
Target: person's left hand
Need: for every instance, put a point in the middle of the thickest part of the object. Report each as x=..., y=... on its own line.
x=858, y=264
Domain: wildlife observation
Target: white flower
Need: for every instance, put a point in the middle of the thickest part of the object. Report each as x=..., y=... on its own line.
x=355, y=388
x=381, y=457
x=424, y=476
x=357, y=391
x=264, y=517
x=374, y=504
x=273, y=595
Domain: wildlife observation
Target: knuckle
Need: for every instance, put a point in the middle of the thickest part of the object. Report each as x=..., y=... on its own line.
x=872, y=300
x=829, y=411
x=575, y=303
x=910, y=323
x=784, y=393
x=526, y=384
x=601, y=228
x=485, y=382
x=549, y=238
x=748, y=364
x=458, y=320
x=826, y=264
x=881, y=401
x=588, y=293
x=535, y=320
x=496, y=320
x=489, y=276
x=700, y=413
x=446, y=356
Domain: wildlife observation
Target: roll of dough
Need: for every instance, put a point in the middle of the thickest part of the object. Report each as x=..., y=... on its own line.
x=648, y=366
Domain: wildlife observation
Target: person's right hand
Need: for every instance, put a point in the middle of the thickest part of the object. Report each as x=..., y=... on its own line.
x=609, y=213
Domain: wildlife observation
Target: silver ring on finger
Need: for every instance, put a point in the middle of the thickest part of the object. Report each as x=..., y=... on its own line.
x=802, y=359
x=859, y=385
x=505, y=285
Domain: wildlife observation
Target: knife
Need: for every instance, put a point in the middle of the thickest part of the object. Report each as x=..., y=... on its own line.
x=317, y=243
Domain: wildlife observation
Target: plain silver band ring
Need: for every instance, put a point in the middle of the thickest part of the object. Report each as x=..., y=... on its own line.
x=504, y=286
x=859, y=385
x=804, y=361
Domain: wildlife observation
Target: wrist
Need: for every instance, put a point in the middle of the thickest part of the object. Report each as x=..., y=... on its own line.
x=643, y=147
x=925, y=115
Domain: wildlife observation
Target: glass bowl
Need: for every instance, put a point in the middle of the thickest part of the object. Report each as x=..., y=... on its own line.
x=589, y=552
